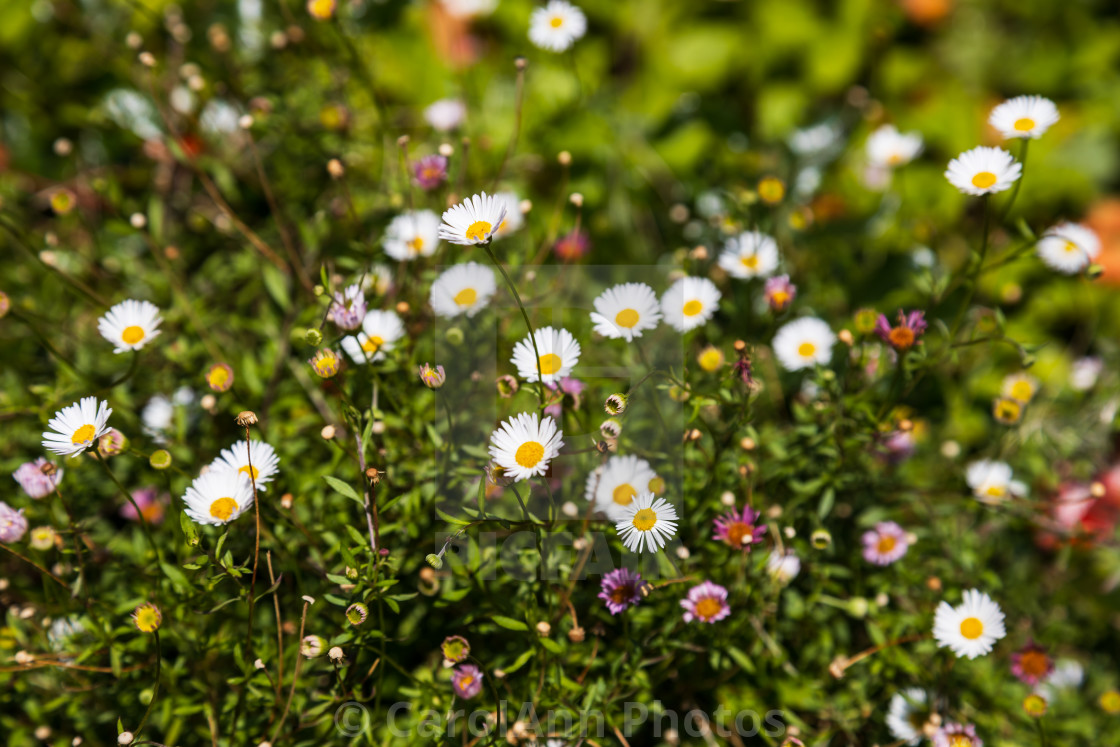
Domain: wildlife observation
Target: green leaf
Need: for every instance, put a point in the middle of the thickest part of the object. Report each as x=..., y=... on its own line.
x=519, y=662
x=827, y=501
x=552, y=645
x=343, y=489
x=509, y=623
x=451, y=519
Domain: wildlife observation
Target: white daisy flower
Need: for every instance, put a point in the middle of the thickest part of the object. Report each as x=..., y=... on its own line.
x=616, y=485
x=983, y=171
x=469, y=8
x=218, y=497
x=971, y=628
x=992, y=481
x=647, y=523
x=446, y=114
x=626, y=311
x=411, y=235
x=515, y=219
x=1024, y=116
x=887, y=147
x=804, y=343
x=380, y=331
x=784, y=567
x=689, y=303
x=473, y=221
x=906, y=717
x=75, y=428
x=523, y=446
x=751, y=254
x=1020, y=387
x=557, y=25
x=130, y=325
x=1069, y=248
x=462, y=289
x=816, y=140
x=238, y=457
x=559, y=353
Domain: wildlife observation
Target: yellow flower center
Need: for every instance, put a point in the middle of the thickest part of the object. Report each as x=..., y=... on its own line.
x=529, y=454
x=886, y=544
x=478, y=231
x=806, y=349
x=994, y=491
x=708, y=608
x=750, y=261
x=252, y=472
x=466, y=681
x=218, y=378
x=416, y=244
x=321, y=9
x=894, y=159
x=1070, y=247
x=656, y=485
x=626, y=318
x=223, y=508
x=373, y=344
x=738, y=532
x=644, y=520
x=972, y=628
x=779, y=299
x=960, y=740
x=132, y=335
x=693, y=307
x=1034, y=663
x=901, y=337
x=1022, y=390
x=983, y=180
x=466, y=297
x=624, y=494
x=556, y=22
x=1025, y=124
x=550, y=363
x=83, y=434
x=147, y=620
x=1008, y=410
x=711, y=359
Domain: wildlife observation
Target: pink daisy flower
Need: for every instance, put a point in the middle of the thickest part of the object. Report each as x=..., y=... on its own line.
x=467, y=681
x=884, y=544
x=35, y=481
x=739, y=529
x=1031, y=664
x=706, y=603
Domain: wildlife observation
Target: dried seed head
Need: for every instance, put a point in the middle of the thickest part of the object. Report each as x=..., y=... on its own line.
x=245, y=418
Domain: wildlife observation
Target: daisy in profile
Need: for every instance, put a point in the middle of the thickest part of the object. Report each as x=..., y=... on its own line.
x=906, y=715
x=1020, y=387
x=1068, y=248
x=39, y=478
x=626, y=311
x=348, y=308
x=238, y=457
x=515, y=219
x=618, y=483
x=1024, y=116
x=972, y=627
x=689, y=303
x=991, y=481
x=75, y=428
x=706, y=603
x=557, y=25
x=130, y=325
x=804, y=343
x=380, y=332
x=523, y=446
x=983, y=171
x=888, y=148
x=751, y=254
x=218, y=497
x=411, y=235
x=621, y=589
x=647, y=523
x=473, y=221
x=446, y=114
x=462, y=289
x=558, y=350
x=884, y=544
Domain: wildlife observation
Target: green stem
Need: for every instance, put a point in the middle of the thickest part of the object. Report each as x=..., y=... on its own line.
x=1019, y=181
x=524, y=315
x=139, y=513
x=975, y=274
x=155, y=688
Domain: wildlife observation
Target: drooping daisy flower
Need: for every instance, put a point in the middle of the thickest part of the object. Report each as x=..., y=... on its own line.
x=906, y=715
x=515, y=218
x=991, y=481
x=621, y=589
x=618, y=483
x=430, y=171
x=1024, y=116
x=706, y=603
x=411, y=235
x=957, y=735
x=647, y=523
x=12, y=524
x=739, y=529
x=112, y=443
x=523, y=446
x=784, y=567
x=348, y=308
x=466, y=680
x=557, y=25
x=1068, y=248
x=462, y=289
x=689, y=303
x=380, y=332
x=1019, y=386
x=884, y=544
x=1031, y=664
x=39, y=478
x=256, y=460
x=558, y=350
x=473, y=221
x=75, y=428
x=804, y=343
x=446, y=114
x=983, y=171
x=626, y=311
x=130, y=325
x=906, y=334
x=751, y=254
x=971, y=628
x=147, y=618
x=887, y=147
x=779, y=292
x=218, y=497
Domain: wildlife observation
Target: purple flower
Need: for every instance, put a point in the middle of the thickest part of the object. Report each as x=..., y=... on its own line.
x=884, y=544
x=570, y=386
x=957, y=735
x=348, y=308
x=621, y=589
x=779, y=292
x=151, y=502
x=739, y=529
x=899, y=446
x=905, y=335
x=742, y=368
x=706, y=603
x=467, y=681
x=35, y=481
x=572, y=246
x=12, y=523
x=433, y=378
x=1031, y=664
x=430, y=171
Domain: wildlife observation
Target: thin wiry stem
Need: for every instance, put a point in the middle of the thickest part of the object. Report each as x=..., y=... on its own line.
x=40, y=568
x=295, y=675
x=155, y=688
x=524, y=315
x=256, y=539
x=519, y=98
